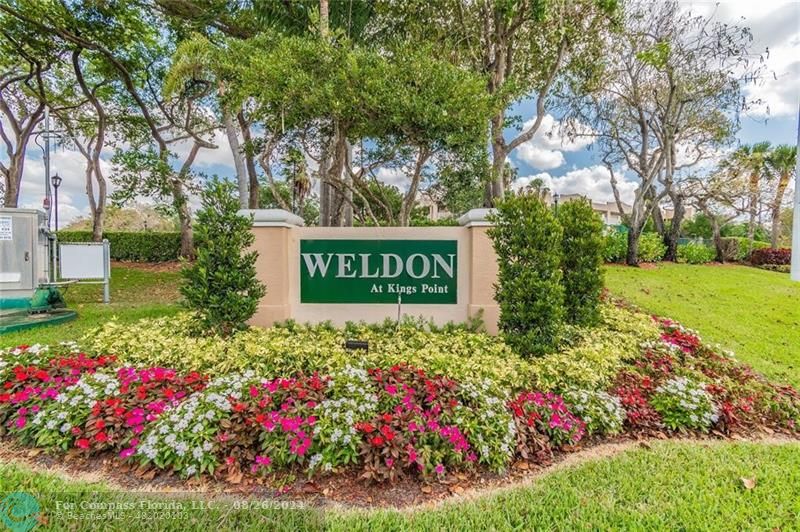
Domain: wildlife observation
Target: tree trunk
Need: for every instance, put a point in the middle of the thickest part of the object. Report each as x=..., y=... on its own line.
x=632, y=256
x=717, y=233
x=776, y=210
x=751, y=224
x=250, y=161
x=410, y=197
x=238, y=159
x=496, y=188
x=673, y=234
x=14, y=178
x=181, y=204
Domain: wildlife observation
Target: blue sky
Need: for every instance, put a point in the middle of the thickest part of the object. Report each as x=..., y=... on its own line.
x=567, y=167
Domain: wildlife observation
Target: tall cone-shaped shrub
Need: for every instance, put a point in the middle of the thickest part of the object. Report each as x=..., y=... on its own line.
x=582, y=261
x=221, y=285
x=527, y=240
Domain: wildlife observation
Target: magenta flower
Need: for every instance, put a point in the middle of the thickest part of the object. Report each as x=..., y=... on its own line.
x=439, y=469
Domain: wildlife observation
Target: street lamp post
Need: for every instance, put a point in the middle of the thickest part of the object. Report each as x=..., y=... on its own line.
x=56, y=181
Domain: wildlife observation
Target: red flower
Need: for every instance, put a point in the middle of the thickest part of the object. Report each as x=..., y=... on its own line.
x=377, y=441
x=100, y=424
x=82, y=443
x=365, y=427
x=387, y=418
x=101, y=437
x=387, y=432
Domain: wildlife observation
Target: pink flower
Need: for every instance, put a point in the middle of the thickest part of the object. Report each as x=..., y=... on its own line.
x=391, y=389
x=263, y=460
x=125, y=453
x=253, y=391
x=21, y=422
x=439, y=469
x=389, y=462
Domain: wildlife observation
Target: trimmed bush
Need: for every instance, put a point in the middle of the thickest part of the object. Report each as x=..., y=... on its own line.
x=695, y=253
x=615, y=246
x=527, y=240
x=651, y=247
x=775, y=257
x=136, y=246
x=221, y=286
x=583, y=259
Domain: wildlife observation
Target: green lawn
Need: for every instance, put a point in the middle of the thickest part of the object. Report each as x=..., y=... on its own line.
x=755, y=313
x=674, y=485
x=136, y=292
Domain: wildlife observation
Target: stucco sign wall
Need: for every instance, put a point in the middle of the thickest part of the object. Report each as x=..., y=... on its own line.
x=341, y=274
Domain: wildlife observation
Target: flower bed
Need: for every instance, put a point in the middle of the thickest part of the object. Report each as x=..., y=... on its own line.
x=384, y=422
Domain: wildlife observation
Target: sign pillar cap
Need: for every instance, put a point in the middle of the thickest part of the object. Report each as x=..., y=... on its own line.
x=272, y=218
x=477, y=218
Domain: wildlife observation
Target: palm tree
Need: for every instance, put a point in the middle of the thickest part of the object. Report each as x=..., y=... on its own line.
x=750, y=159
x=781, y=162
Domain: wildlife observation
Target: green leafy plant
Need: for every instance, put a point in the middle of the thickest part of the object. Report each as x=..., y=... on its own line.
x=221, y=285
x=527, y=240
x=684, y=403
x=695, y=253
x=651, y=247
x=601, y=411
x=582, y=261
x=615, y=245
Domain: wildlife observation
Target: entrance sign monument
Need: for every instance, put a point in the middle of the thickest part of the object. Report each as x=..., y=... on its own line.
x=341, y=274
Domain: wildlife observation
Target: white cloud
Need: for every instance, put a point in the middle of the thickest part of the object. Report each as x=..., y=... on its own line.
x=593, y=182
x=207, y=158
x=775, y=25
x=545, y=150
x=392, y=176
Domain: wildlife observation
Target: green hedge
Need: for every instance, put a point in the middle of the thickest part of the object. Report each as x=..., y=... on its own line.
x=651, y=247
x=696, y=253
x=140, y=246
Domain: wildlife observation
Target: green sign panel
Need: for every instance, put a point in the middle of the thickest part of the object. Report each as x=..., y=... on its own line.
x=379, y=271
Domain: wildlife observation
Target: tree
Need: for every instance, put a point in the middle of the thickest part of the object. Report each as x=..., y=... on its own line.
x=721, y=197
x=528, y=239
x=24, y=63
x=667, y=96
x=582, y=266
x=87, y=127
x=524, y=48
x=221, y=285
x=751, y=160
x=130, y=42
x=781, y=161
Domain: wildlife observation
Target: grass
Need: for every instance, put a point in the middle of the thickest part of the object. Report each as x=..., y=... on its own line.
x=753, y=312
x=136, y=292
x=673, y=485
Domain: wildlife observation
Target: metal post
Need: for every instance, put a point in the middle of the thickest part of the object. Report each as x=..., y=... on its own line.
x=47, y=194
x=796, y=217
x=106, y=271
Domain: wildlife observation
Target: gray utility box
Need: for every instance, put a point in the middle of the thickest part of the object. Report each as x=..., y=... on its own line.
x=24, y=252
